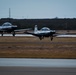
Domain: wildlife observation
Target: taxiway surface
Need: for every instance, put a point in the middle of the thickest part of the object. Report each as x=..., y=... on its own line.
x=17, y=66
x=36, y=71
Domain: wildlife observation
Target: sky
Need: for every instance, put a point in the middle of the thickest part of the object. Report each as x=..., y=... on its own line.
x=36, y=9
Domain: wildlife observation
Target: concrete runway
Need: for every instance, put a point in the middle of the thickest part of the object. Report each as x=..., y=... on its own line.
x=36, y=71
x=65, y=35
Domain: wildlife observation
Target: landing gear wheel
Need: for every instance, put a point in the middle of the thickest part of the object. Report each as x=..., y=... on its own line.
x=51, y=38
x=13, y=34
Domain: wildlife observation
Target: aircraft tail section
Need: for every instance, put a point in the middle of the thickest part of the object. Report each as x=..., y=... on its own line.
x=35, y=29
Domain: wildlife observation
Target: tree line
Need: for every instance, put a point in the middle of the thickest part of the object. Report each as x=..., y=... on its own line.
x=56, y=23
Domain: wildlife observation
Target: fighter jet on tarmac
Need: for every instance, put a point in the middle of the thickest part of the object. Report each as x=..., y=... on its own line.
x=7, y=27
x=44, y=32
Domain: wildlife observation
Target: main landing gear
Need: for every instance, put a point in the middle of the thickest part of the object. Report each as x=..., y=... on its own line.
x=51, y=37
x=41, y=38
x=13, y=33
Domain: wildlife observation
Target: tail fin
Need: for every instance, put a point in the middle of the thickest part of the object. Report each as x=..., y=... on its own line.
x=35, y=29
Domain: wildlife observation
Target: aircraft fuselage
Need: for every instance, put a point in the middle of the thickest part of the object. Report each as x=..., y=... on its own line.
x=7, y=28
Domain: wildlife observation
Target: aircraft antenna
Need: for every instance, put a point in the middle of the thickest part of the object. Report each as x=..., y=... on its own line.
x=9, y=13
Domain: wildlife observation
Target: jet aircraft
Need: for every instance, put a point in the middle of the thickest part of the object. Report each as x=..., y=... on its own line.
x=44, y=32
x=9, y=28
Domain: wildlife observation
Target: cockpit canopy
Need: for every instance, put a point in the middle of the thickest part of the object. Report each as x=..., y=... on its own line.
x=45, y=29
x=7, y=24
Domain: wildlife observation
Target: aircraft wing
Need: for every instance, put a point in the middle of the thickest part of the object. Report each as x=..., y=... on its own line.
x=34, y=34
x=18, y=30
